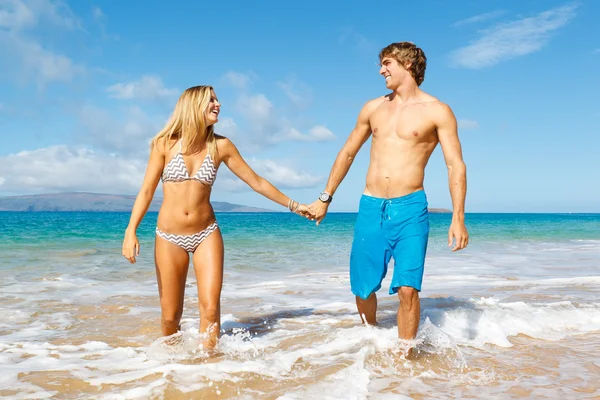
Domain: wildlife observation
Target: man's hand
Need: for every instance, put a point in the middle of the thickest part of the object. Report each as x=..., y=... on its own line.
x=458, y=231
x=304, y=211
x=318, y=209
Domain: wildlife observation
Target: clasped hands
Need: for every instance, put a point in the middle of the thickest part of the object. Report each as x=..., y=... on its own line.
x=314, y=212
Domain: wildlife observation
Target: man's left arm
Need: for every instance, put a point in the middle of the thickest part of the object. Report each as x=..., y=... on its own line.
x=447, y=130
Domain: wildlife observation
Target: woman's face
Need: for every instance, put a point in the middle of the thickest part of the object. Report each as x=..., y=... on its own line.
x=212, y=111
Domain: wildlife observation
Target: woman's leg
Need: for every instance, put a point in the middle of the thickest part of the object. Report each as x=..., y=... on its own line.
x=208, y=264
x=172, y=264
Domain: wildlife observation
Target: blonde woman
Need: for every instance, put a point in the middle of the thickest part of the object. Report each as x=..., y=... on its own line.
x=186, y=155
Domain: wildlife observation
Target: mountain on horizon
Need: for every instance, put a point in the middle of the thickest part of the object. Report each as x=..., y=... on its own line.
x=82, y=201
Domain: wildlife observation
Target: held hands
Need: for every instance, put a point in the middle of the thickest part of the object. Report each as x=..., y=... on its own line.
x=131, y=246
x=459, y=233
x=304, y=211
x=300, y=209
x=318, y=209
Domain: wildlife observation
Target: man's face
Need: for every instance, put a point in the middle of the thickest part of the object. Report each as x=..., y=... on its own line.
x=392, y=72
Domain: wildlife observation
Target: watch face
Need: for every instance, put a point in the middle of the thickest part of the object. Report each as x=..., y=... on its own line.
x=324, y=197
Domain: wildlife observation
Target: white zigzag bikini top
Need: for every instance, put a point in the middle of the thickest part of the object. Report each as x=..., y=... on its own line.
x=176, y=171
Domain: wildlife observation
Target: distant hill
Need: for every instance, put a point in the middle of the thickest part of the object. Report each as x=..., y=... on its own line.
x=96, y=202
x=108, y=202
x=439, y=210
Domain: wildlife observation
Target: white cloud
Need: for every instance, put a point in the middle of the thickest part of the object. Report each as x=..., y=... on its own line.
x=18, y=15
x=6, y=109
x=513, y=39
x=350, y=35
x=63, y=168
x=130, y=131
x=479, y=18
x=26, y=56
x=317, y=133
x=467, y=124
x=238, y=80
x=100, y=19
x=46, y=65
x=227, y=182
x=284, y=176
x=149, y=87
x=98, y=14
x=298, y=92
x=270, y=127
x=281, y=176
x=68, y=168
x=255, y=108
x=226, y=127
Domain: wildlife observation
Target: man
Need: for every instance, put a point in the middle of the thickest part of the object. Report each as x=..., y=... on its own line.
x=393, y=219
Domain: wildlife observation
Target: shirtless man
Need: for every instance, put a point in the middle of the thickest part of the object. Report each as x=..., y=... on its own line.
x=393, y=220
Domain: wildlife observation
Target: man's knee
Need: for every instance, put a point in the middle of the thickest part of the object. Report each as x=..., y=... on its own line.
x=372, y=297
x=408, y=295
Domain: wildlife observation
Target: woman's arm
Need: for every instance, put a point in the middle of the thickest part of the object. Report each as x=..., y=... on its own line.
x=156, y=162
x=234, y=161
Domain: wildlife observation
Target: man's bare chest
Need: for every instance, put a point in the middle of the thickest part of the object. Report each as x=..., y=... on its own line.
x=414, y=125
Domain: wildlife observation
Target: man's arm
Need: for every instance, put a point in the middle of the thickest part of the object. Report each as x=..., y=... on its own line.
x=345, y=157
x=447, y=131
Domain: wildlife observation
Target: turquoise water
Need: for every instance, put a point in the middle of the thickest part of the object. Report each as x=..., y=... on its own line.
x=265, y=240
x=523, y=296
x=21, y=228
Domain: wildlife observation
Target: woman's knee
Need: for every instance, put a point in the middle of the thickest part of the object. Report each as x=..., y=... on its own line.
x=171, y=324
x=210, y=311
x=172, y=316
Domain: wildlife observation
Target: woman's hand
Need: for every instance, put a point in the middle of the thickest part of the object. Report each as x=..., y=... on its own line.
x=304, y=211
x=131, y=246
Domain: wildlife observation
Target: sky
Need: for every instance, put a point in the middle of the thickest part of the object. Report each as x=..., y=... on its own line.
x=85, y=85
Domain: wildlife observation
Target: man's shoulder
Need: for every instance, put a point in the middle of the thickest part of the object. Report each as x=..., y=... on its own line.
x=438, y=111
x=436, y=108
x=433, y=101
x=372, y=104
x=380, y=99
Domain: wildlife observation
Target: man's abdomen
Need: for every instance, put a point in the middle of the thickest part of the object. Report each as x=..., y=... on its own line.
x=390, y=183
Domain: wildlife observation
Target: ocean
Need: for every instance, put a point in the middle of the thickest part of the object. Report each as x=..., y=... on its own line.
x=514, y=315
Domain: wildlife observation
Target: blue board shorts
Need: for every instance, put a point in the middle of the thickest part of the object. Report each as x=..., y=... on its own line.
x=387, y=228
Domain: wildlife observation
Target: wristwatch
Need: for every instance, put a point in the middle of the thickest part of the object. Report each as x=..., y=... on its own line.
x=325, y=197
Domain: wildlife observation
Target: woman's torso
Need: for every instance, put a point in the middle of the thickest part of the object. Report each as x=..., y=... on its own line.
x=187, y=183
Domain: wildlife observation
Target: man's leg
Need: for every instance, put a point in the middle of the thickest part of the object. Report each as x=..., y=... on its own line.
x=408, y=233
x=369, y=258
x=367, y=309
x=409, y=312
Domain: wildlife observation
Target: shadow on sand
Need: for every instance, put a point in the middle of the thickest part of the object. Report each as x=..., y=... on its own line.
x=262, y=324
x=435, y=309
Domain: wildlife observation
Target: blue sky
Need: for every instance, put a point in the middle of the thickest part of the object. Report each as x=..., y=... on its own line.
x=85, y=84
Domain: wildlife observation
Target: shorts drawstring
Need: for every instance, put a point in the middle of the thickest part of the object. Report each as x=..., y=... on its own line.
x=384, y=211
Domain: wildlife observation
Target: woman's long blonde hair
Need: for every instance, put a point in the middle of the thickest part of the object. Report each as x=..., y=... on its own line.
x=188, y=121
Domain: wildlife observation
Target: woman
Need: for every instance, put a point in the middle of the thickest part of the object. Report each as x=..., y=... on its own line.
x=186, y=155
